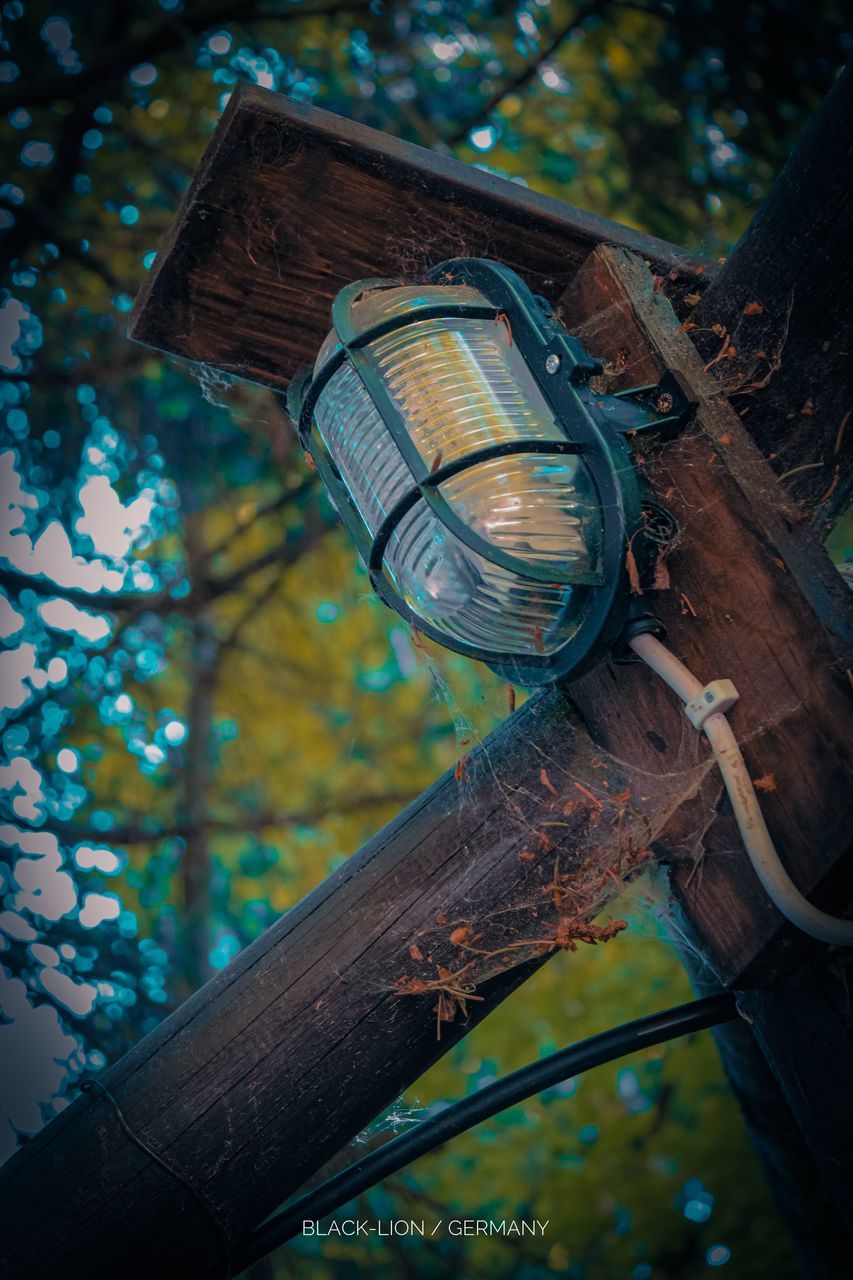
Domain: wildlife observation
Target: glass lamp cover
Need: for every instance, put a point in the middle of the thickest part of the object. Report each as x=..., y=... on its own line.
x=460, y=385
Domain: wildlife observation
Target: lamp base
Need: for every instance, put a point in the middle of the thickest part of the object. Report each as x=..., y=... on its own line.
x=639, y=622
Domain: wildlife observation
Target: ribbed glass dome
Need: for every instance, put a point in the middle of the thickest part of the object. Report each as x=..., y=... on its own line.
x=461, y=385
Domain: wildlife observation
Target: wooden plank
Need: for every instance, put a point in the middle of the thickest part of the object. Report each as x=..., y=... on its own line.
x=259, y=1078
x=783, y=307
x=753, y=598
x=290, y=203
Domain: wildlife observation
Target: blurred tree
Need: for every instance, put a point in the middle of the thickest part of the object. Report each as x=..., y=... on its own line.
x=202, y=710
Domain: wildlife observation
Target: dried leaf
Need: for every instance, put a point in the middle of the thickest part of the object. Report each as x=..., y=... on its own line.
x=589, y=795
x=753, y=309
x=503, y=318
x=692, y=298
x=661, y=581
x=458, y=936
x=633, y=573
x=405, y=986
x=415, y=952
x=546, y=782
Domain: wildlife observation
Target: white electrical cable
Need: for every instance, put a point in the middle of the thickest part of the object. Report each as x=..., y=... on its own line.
x=705, y=707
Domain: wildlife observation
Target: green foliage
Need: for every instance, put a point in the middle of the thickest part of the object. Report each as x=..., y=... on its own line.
x=247, y=716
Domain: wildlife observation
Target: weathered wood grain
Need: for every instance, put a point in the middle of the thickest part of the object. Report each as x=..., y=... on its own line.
x=290, y=203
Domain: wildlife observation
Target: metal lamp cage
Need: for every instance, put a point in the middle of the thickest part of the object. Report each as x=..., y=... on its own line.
x=591, y=428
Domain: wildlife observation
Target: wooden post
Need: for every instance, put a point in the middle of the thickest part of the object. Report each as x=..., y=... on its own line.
x=280, y=1059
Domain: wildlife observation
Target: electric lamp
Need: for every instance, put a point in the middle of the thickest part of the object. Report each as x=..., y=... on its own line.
x=489, y=489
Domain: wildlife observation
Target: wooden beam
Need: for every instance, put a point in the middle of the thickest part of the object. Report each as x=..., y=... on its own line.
x=752, y=598
x=260, y=1077
x=782, y=307
x=290, y=203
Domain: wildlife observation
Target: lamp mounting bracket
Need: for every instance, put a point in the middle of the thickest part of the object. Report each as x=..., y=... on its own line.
x=662, y=407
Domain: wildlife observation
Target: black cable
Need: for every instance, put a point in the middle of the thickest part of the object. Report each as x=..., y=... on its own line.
x=698, y=1015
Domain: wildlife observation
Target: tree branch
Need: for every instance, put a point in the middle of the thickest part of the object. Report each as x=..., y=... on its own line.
x=279, y=503
x=519, y=81
x=56, y=183
x=37, y=223
x=231, y=639
x=284, y=554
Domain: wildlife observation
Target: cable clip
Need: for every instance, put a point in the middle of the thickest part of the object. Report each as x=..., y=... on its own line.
x=718, y=696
